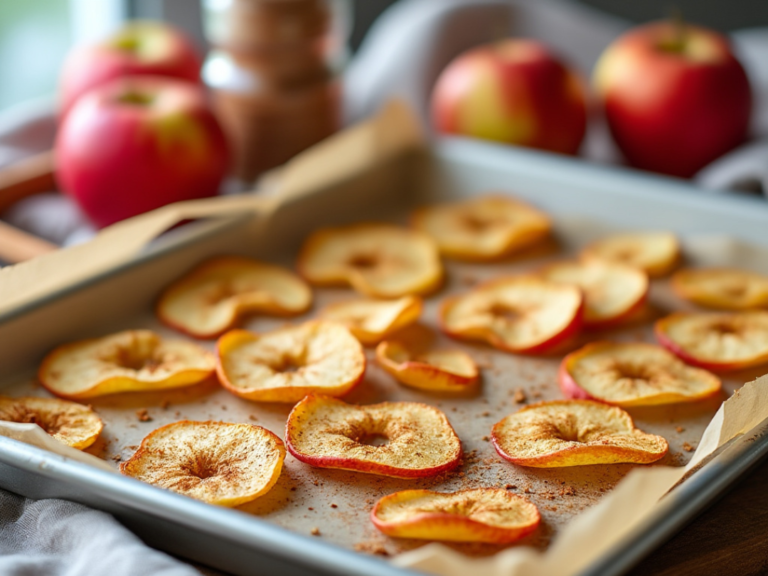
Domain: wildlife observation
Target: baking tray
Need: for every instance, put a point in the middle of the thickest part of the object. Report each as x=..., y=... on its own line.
x=585, y=200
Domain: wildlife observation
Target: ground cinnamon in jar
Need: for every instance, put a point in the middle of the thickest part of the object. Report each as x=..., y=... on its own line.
x=272, y=76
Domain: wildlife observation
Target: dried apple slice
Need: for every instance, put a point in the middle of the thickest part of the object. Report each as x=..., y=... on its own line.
x=491, y=515
x=655, y=253
x=217, y=462
x=373, y=320
x=517, y=314
x=718, y=341
x=210, y=299
x=70, y=423
x=378, y=260
x=440, y=370
x=612, y=292
x=483, y=228
x=287, y=364
x=722, y=288
x=129, y=361
x=633, y=374
x=574, y=433
x=416, y=440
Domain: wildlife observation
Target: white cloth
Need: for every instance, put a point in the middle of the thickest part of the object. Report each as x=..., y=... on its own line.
x=59, y=538
x=410, y=44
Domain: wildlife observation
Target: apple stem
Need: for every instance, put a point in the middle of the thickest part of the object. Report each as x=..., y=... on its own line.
x=678, y=29
x=500, y=31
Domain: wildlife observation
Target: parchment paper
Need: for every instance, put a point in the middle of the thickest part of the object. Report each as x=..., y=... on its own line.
x=599, y=528
x=581, y=541
x=389, y=133
x=34, y=435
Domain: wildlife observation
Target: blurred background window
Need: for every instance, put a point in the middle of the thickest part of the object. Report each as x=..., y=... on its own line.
x=36, y=34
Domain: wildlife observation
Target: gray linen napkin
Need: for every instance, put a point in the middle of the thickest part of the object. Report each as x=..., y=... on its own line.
x=59, y=538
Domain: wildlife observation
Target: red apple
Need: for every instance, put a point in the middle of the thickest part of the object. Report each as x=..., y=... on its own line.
x=139, y=143
x=514, y=91
x=674, y=95
x=139, y=48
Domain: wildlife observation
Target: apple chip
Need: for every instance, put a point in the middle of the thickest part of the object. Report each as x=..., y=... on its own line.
x=129, y=361
x=210, y=299
x=378, y=260
x=287, y=364
x=440, y=370
x=574, y=433
x=722, y=288
x=656, y=253
x=70, y=423
x=516, y=314
x=373, y=320
x=633, y=374
x=612, y=292
x=483, y=228
x=491, y=515
x=216, y=462
x=717, y=341
x=398, y=439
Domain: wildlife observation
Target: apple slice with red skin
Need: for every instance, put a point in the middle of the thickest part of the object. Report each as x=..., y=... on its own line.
x=378, y=260
x=718, y=341
x=574, y=433
x=484, y=228
x=723, y=288
x=655, y=253
x=438, y=370
x=70, y=423
x=370, y=321
x=633, y=374
x=287, y=364
x=490, y=515
x=129, y=361
x=210, y=299
x=522, y=314
x=613, y=292
x=327, y=433
x=219, y=463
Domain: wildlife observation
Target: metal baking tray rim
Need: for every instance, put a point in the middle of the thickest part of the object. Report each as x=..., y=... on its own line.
x=680, y=506
x=213, y=520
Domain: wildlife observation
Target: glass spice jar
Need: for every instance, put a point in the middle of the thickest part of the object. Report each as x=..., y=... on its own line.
x=273, y=75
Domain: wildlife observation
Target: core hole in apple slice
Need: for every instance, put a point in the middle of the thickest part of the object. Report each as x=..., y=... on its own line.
x=722, y=288
x=719, y=341
x=378, y=260
x=437, y=370
x=210, y=299
x=327, y=433
x=219, y=463
x=612, y=292
x=522, y=314
x=633, y=374
x=656, y=253
x=483, y=228
x=287, y=364
x=129, y=361
x=373, y=320
x=70, y=423
x=491, y=515
x=574, y=433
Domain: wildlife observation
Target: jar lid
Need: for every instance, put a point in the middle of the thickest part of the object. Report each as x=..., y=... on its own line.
x=246, y=24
